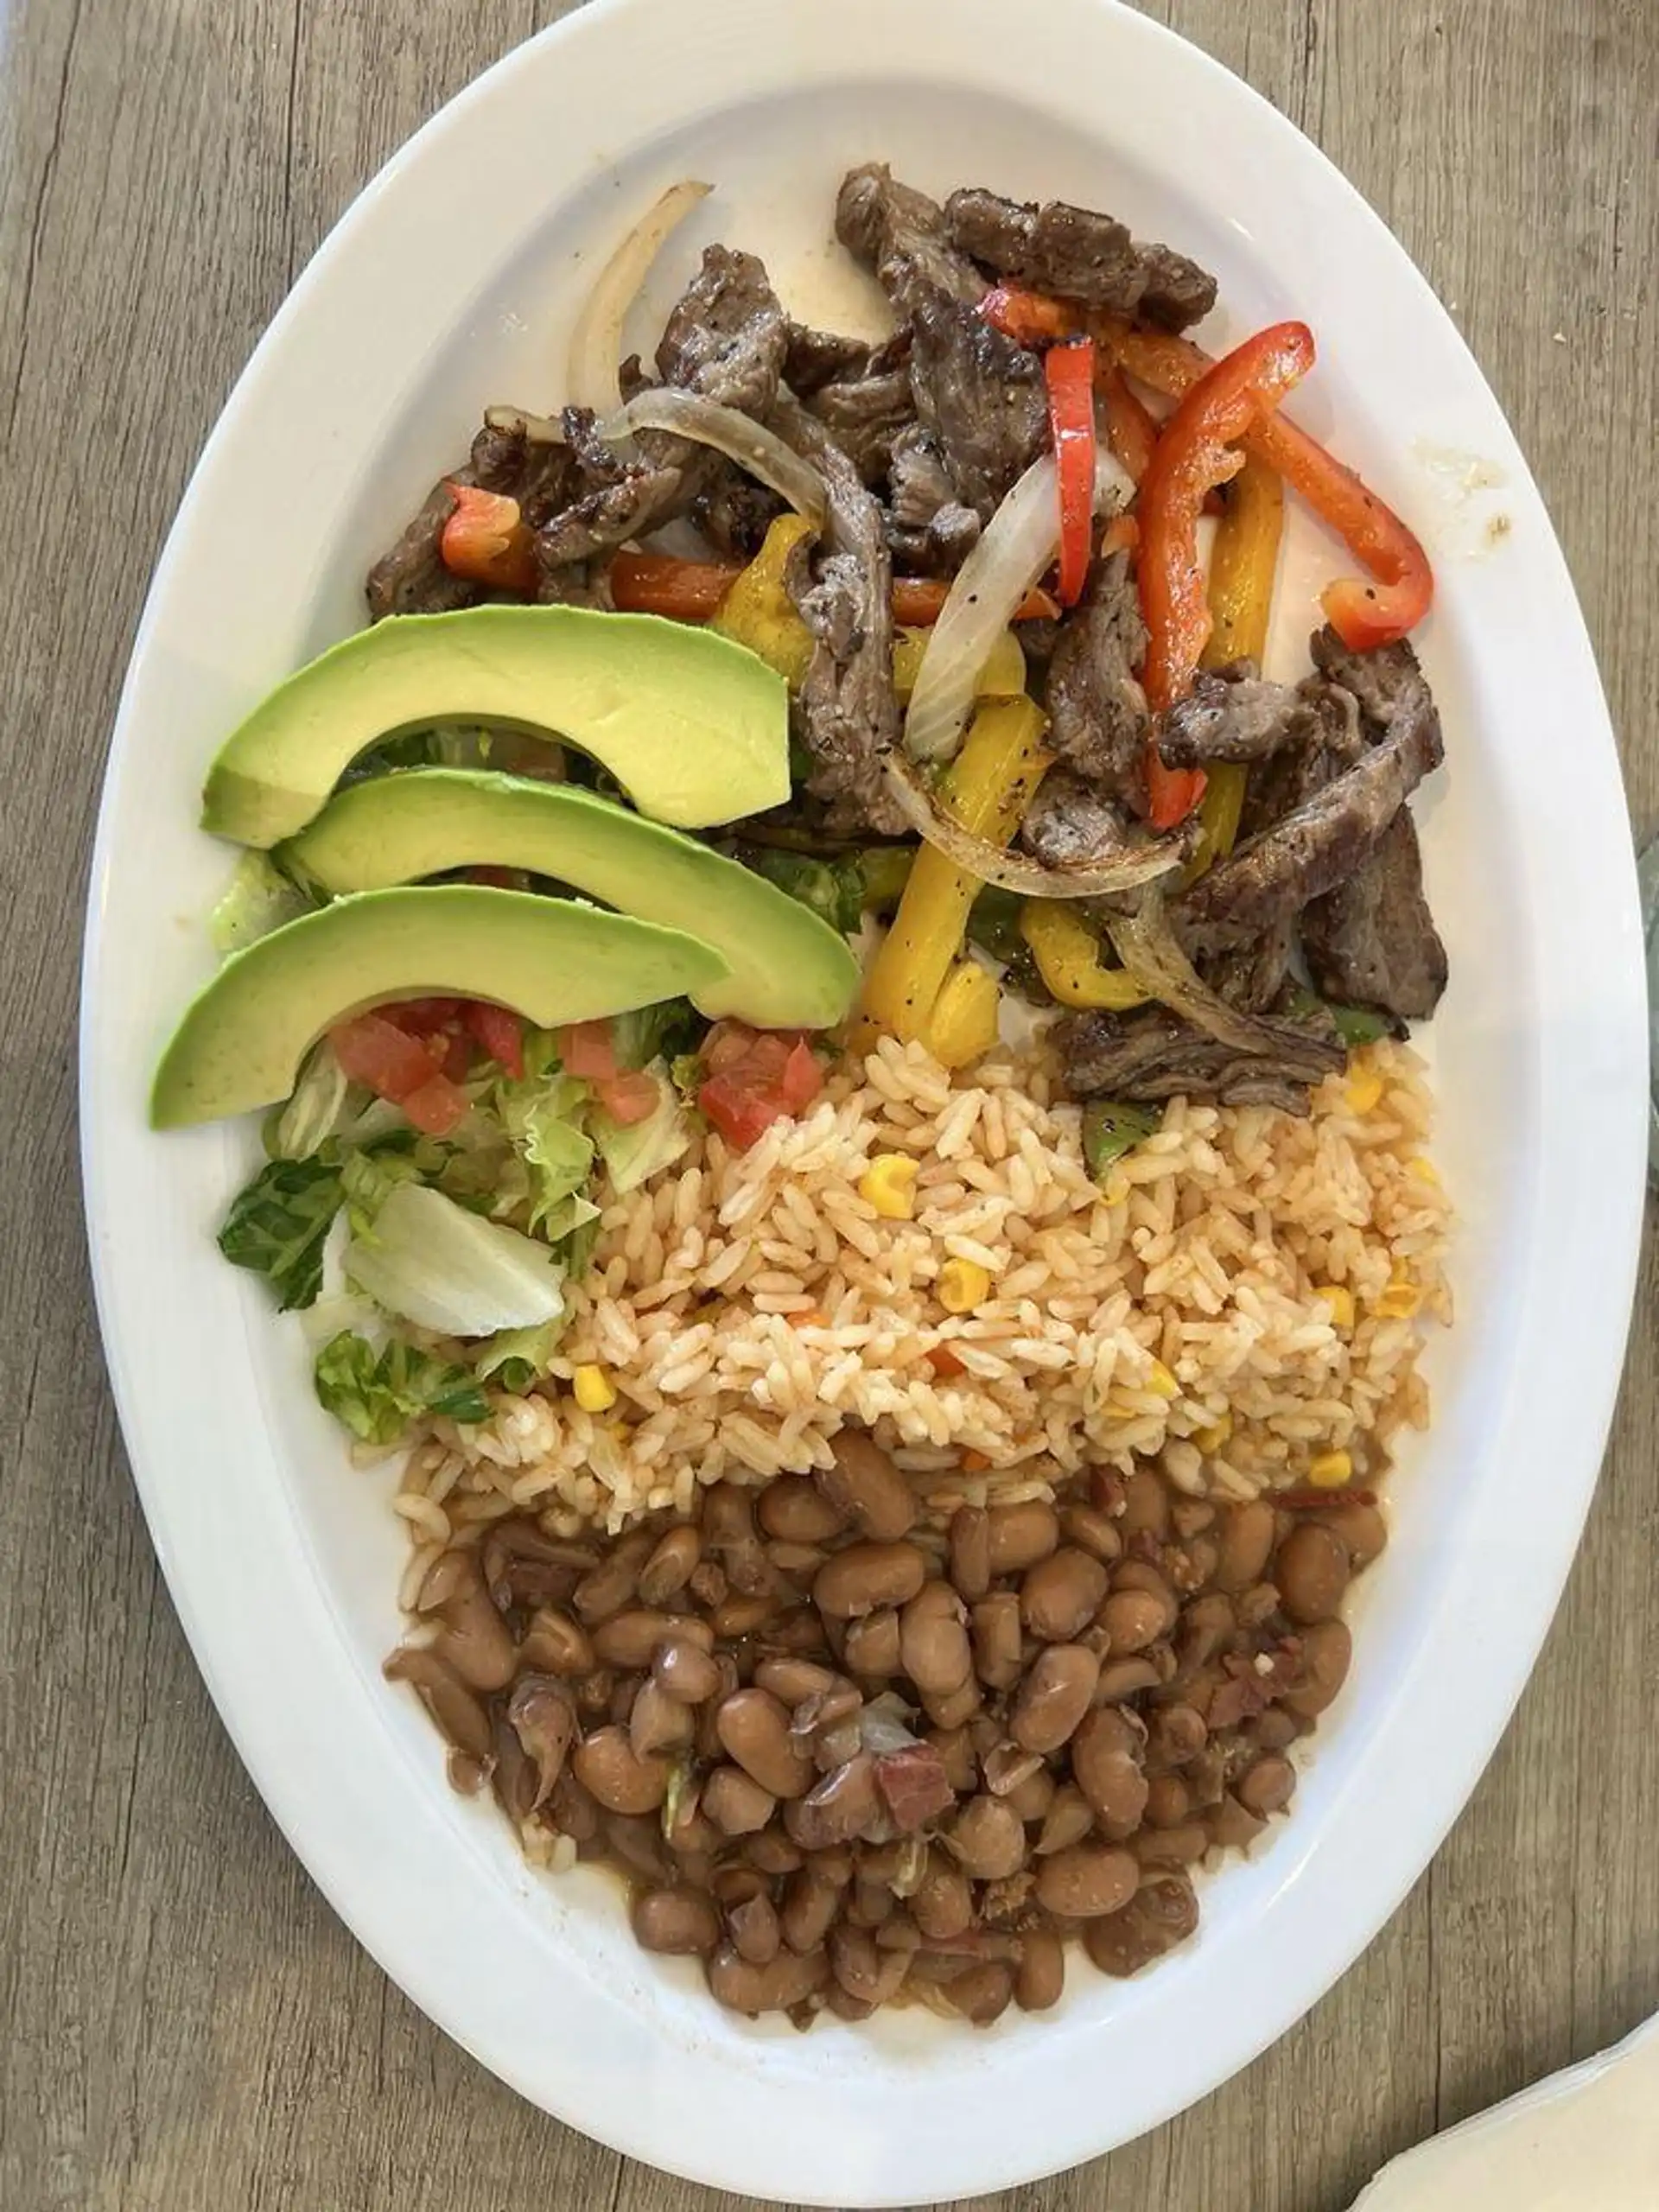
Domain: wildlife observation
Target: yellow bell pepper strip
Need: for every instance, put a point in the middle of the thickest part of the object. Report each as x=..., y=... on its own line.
x=1003, y=676
x=757, y=611
x=1244, y=566
x=987, y=788
x=1364, y=615
x=962, y=1025
x=1067, y=953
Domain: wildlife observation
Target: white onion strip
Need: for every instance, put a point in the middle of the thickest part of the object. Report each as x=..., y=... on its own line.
x=596, y=341
x=1146, y=944
x=1132, y=865
x=1018, y=545
x=749, y=443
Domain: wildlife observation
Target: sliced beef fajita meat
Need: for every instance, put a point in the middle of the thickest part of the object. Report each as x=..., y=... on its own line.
x=1152, y=1054
x=980, y=395
x=1234, y=714
x=813, y=358
x=1079, y=255
x=1097, y=711
x=900, y=236
x=867, y=409
x=929, y=528
x=848, y=714
x=727, y=336
x=1371, y=939
x=1253, y=976
x=735, y=513
x=1324, y=841
x=1071, y=824
x=516, y=458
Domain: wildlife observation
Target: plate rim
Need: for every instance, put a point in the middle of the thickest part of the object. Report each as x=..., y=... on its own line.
x=629, y=2127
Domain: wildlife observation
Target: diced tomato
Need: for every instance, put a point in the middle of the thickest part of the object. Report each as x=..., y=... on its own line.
x=374, y=1051
x=423, y=1017
x=452, y=1052
x=487, y=540
x=756, y=1079
x=589, y=1050
x=631, y=1097
x=435, y=1106
x=803, y=1078
x=380, y=1053
x=497, y=1033
x=497, y=879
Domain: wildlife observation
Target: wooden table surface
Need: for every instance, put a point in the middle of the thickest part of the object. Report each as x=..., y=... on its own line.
x=186, y=2025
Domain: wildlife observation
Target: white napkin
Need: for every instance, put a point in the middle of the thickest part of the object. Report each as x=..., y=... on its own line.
x=1584, y=2140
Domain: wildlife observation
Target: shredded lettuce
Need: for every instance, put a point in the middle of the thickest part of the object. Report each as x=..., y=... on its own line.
x=633, y=1150
x=420, y=1256
x=379, y=1393
x=278, y=1226
x=258, y=899
x=517, y=1358
x=652, y=1033
x=314, y=1113
x=540, y=1117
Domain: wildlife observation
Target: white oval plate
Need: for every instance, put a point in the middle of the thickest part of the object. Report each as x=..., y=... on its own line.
x=450, y=284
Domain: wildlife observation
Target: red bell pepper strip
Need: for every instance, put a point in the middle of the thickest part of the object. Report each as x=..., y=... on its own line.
x=488, y=540
x=1197, y=450
x=1364, y=615
x=1131, y=427
x=1070, y=371
x=1029, y=318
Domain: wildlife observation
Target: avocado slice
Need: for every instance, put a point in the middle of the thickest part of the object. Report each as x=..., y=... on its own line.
x=789, y=969
x=695, y=729
x=242, y=1039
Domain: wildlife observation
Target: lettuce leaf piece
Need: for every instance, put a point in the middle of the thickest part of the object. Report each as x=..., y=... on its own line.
x=317, y=1108
x=651, y=1033
x=377, y=1395
x=542, y=1118
x=632, y=1151
x=517, y=1358
x=258, y=899
x=278, y=1226
x=420, y=1256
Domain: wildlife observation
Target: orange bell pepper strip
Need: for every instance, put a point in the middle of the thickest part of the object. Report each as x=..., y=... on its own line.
x=691, y=591
x=1029, y=318
x=1364, y=615
x=1198, y=449
x=1068, y=372
x=488, y=540
x=1131, y=427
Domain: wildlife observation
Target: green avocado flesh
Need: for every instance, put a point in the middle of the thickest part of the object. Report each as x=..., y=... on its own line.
x=695, y=729
x=789, y=969
x=241, y=1042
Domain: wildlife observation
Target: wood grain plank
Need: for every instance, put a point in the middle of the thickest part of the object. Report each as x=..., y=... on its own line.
x=190, y=2025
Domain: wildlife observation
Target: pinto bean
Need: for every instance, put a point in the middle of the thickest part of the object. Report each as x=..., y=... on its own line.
x=555, y=1645
x=1031, y=1798
x=607, y=1763
x=1162, y=1913
x=1134, y=1619
x=1312, y=1572
x=1021, y=1534
x=1122, y=1678
x=1178, y=1846
x=810, y=1907
x=970, y=1552
x=630, y=1639
x=754, y=1931
x=657, y=1721
x=790, y=1980
x=1056, y=1693
x=736, y=1802
x=988, y=1839
x=866, y=1488
x=867, y=1577
x=1230, y=1825
x=933, y=1646
x=1091, y=1530
x=868, y=1973
x=772, y=1852
x=1146, y=1505
x=670, y=1566
x=474, y=1640
x=1169, y=1801
x=1106, y=1759
x=1087, y=1881
x=614, y=1583
x=460, y=1715
x=740, y=1614
x=793, y=1509
x=943, y=1903
x=982, y=1994
x=1362, y=1530
x=1247, y=1534
x=1039, y=1978
x=1059, y=1595
x=1327, y=1653
x=1267, y=1787
x=996, y=1640
x=1068, y=1819
x=793, y=1681
x=753, y=1729
x=685, y=1673
x=679, y=1922
x=871, y=1645
x=957, y=1707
